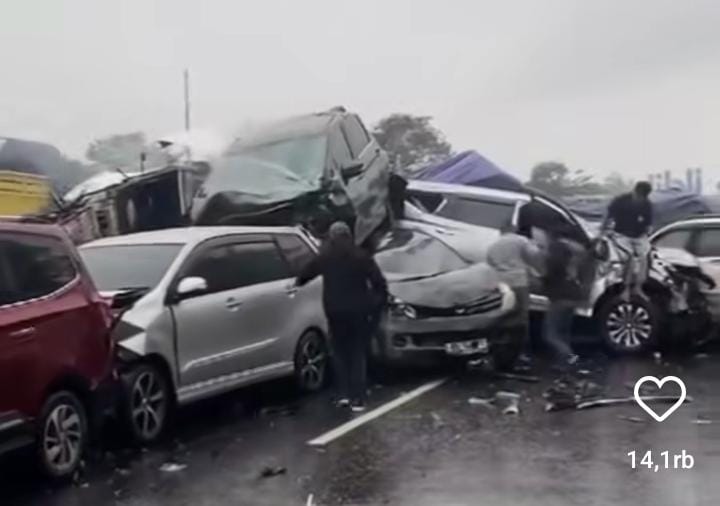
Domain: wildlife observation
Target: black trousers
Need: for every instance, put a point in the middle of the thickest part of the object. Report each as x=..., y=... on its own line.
x=350, y=333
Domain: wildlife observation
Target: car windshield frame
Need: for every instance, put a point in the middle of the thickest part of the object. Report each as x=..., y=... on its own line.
x=308, y=167
x=416, y=246
x=123, y=274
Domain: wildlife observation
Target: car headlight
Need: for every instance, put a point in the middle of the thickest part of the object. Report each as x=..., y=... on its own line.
x=508, y=296
x=402, y=309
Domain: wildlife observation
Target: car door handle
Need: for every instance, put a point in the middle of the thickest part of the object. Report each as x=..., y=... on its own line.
x=23, y=334
x=291, y=292
x=233, y=304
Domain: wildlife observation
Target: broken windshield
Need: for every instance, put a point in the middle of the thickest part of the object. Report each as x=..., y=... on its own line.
x=304, y=156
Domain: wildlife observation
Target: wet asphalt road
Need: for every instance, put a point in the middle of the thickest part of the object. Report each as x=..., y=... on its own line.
x=436, y=449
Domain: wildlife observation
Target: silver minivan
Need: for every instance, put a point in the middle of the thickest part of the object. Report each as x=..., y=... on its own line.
x=202, y=311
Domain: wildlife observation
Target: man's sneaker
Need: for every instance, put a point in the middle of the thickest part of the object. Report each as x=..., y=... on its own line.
x=343, y=403
x=358, y=408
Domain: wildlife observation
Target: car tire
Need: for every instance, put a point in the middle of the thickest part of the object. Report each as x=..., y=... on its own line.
x=311, y=362
x=147, y=402
x=629, y=326
x=62, y=435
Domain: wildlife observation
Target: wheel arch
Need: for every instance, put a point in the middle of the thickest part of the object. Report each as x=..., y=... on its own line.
x=73, y=383
x=653, y=288
x=162, y=364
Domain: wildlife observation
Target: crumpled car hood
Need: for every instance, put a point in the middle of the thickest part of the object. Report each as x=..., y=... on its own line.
x=448, y=289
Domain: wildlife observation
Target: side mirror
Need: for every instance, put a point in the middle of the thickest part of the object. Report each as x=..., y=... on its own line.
x=352, y=171
x=190, y=286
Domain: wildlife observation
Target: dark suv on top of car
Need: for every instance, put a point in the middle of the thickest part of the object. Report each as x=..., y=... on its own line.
x=310, y=170
x=55, y=346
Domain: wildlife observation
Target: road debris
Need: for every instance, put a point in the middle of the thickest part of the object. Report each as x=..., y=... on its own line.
x=310, y=500
x=271, y=471
x=172, y=467
x=658, y=357
x=702, y=421
x=633, y=419
x=517, y=377
x=477, y=401
x=659, y=399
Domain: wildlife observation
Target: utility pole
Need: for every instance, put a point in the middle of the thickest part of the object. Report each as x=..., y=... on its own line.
x=186, y=82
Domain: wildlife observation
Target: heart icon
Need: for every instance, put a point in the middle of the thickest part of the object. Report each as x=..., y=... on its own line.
x=660, y=383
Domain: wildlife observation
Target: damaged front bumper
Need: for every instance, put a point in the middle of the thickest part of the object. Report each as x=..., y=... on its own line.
x=420, y=340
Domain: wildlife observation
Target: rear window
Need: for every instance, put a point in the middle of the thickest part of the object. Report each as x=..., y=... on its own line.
x=129, y=267
x=32, y=267
x=478, y=212
x=415, y=254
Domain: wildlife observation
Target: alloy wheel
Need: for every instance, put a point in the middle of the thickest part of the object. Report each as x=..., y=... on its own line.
x=148, y=405
x=63, y=438
x=312, y=362
x=629, y=325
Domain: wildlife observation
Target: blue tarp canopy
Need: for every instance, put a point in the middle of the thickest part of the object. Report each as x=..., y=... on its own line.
x=470, y=168
x=668, y=206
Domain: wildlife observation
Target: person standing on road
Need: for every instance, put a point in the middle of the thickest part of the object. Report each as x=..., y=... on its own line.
x=513, y=256
x=564, y=290
x=631, y=215
x=352, y=285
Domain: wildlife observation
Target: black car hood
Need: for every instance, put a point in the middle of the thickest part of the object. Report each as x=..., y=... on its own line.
x=447, y=289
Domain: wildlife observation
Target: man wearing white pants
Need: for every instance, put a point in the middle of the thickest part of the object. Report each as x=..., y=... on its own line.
x=631, y=215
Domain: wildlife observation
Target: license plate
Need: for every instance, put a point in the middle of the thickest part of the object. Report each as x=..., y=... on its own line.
x=471, y=347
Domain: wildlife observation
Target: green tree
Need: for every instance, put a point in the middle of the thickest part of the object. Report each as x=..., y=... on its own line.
x=411, y=141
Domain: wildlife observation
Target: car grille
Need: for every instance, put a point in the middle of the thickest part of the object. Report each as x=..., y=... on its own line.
x=484, y=304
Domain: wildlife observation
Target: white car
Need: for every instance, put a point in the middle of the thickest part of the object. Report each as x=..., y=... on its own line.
x=626, y=326
x=207, y=310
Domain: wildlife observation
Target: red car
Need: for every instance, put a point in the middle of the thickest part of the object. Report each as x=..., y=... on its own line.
x=55, y=346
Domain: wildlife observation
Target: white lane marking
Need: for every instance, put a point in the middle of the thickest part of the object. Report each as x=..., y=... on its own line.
x=340, y=431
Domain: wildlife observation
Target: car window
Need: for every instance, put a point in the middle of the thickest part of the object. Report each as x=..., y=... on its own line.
x=674, y=239
x=415, y=254
x=478, y=212
x=708, y=243
x=213, y=265
x=255, y=263
x=34, y=266
x=356, y=135
x=338, y=149
x=111, y=270
x=297, y=253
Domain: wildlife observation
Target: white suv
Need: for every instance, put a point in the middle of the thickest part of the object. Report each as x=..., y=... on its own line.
x=625, y=326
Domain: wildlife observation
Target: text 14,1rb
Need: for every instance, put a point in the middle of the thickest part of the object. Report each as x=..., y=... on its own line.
x=667, y=460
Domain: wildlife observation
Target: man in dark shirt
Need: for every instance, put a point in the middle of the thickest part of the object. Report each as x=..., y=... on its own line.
x=631, y=215
x=353, y=287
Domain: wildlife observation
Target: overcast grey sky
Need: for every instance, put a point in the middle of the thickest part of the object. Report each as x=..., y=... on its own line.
x=606, y=85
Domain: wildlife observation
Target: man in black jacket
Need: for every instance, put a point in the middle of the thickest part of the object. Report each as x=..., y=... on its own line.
x=564, y=289
x=352, y=288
